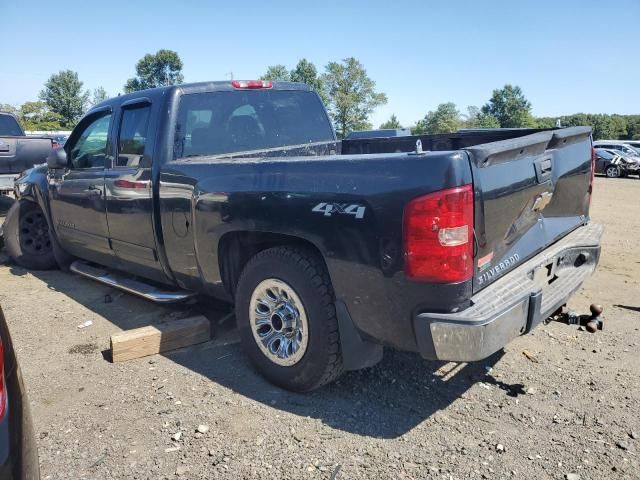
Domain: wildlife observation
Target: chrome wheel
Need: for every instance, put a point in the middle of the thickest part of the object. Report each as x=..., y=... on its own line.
x=279, y=322
x=612, y=172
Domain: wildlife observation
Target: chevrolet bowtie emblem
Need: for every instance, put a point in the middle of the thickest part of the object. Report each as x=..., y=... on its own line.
x=542, y=201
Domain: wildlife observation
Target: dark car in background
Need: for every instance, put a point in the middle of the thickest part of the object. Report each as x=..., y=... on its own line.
x=614, y=163
x=18, y=452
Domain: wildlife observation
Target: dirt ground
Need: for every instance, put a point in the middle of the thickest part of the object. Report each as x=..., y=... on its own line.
x=574, y=410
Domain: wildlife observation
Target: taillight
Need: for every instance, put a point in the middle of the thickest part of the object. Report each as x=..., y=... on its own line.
x=252, y=84
x=3, y=393
x=438, y=236
x=593, y=173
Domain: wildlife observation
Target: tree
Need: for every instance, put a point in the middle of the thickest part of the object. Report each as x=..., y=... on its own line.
x=306, y=72
x=277, y=73
x=7, y=107
x=393, y=122
x=548, y=122
x=603, y=127
x=475, y=118
x=99, y=96
x=577, y=120
x=37, y=116
x=156, y=70
x=351, y=95
x=510, y=107
x=618, y=126
x=444, y=119
x=63, y=95
x=633, y=127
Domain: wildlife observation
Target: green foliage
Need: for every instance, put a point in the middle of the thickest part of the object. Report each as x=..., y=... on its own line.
x=393, y=122
x=63, y=95
x=475, y=118
x=351, y=94
x=99, y=96
x=633, y=127
x=7, y=107
x=37, y=116
x=306, y=72
x=277, y=73
x=510, y=107
x=609, y=127
x=156, y=70
x=444, y=119
x=545, y=122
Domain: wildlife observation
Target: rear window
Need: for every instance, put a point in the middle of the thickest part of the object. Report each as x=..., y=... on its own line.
x=9, y=126
x=217, y=123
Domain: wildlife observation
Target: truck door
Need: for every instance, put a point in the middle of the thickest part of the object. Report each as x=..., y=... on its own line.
x=129, y=196
x=77, y=193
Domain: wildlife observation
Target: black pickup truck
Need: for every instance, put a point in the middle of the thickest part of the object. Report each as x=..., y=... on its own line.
x=17, y=151
x=447, y=245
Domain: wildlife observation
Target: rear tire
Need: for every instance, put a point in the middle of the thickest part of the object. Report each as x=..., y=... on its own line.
x=287, y=318
x=27, y=237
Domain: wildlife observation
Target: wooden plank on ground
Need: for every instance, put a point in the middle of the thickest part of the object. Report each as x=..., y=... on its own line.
x=141, y=342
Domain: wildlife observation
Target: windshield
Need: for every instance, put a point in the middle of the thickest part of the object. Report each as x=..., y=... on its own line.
x=604, y=154
x=9, y=127
x=216, y=123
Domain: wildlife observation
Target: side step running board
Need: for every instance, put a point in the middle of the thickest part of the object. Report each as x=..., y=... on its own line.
x=130, y=285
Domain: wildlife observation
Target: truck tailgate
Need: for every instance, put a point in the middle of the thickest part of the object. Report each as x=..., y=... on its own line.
x=20, y=153
x=529, y=192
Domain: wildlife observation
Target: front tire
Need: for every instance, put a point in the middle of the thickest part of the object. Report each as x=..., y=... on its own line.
x=612, y=171
x=287, y=318
x=27, y=236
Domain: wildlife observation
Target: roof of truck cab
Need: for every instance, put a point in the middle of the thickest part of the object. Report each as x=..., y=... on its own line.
x=198, y=87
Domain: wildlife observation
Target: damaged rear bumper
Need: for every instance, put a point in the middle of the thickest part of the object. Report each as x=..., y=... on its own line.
x=514, y=304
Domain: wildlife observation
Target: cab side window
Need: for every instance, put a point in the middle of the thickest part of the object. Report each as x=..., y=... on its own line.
x=132, y=136
x=90, y=148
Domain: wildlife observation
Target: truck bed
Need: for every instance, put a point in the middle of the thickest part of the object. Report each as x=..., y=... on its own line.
x=531, y=186
x=20, y=153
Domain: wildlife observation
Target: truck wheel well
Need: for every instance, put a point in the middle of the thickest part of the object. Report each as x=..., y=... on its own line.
x=237, y=248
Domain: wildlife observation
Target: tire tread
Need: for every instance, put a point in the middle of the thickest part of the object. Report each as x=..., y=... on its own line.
x=313, y=267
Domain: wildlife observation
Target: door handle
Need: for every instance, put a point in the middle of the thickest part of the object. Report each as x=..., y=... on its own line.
x=543, y=168
x=546, y=165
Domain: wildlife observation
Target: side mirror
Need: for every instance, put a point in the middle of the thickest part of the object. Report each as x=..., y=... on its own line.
x=57, y=158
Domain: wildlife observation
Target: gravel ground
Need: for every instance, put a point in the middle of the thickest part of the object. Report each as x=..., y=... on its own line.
x=571, y=407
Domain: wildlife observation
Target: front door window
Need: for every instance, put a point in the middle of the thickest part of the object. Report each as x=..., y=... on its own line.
x=90, y=149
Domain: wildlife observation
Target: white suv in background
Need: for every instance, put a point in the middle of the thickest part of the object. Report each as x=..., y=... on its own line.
x=630, y=147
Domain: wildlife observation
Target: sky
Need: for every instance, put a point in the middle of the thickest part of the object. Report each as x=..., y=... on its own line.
x=567, y=56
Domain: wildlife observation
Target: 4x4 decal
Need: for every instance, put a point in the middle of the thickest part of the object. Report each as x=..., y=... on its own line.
x=329, y=209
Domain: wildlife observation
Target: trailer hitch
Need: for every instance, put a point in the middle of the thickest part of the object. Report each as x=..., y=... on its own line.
x=592, y=323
